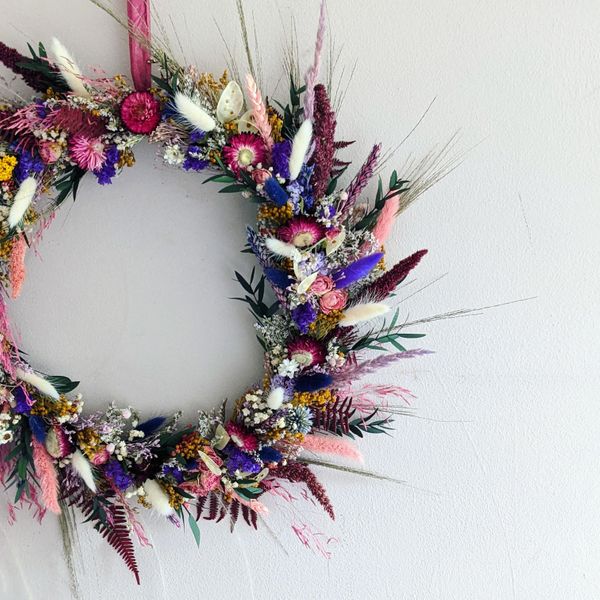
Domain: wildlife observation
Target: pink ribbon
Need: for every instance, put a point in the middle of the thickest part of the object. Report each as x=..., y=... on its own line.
x=138, y=15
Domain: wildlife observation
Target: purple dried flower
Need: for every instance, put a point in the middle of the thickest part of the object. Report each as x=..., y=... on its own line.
x=359, y=183
x=280, y=156
x=303, y=315
x=116, y=473
x=240, y=461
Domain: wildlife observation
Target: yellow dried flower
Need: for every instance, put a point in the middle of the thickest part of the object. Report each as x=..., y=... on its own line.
x=190, y=445
x=231, y=127
x=6, y=249
x=278, y=215
x=88, y=441
x=325, y=323
x=316, y=399
x=61, y=408
x=7, y=166
x=276, y=123
x=175, y=500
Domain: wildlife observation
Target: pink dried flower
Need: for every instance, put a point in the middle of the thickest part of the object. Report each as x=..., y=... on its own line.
x=302, y=232
x=101, y=457
x=244, y=150
x=16, y=267
x=88, y=153
x=140, y=112
x=333, y=300
x=321, y=285
x=242, y=439
x=260, y=175
x=49, y=151
x=306, y=351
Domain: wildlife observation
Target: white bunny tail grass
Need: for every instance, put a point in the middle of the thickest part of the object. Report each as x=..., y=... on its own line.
x=157, y=496
x=193, y=113
x=282, y=248
x=363, y=312
x=275, y=398
x=300, y=148
x=83, y=468
x=68, y=68
x=39, y=383
x=22, y=201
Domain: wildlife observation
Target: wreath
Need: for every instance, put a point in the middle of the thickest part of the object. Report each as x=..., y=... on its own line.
x=318, y=296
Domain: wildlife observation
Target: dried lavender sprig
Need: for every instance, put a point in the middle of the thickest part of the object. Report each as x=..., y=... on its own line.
x=360, y=182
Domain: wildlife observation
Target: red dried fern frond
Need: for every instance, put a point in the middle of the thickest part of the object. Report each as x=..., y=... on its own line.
x=335, y=417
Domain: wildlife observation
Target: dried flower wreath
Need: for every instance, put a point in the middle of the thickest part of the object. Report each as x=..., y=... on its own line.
x=319, y=247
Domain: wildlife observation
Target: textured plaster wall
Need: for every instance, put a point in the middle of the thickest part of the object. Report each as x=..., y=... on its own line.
x=130, y=296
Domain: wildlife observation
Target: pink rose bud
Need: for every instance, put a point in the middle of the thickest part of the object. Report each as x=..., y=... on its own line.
x=332, y=233
x=321, y=285
x=260, y=175
x=333, y=300
x=49, y=151
x=100, y=458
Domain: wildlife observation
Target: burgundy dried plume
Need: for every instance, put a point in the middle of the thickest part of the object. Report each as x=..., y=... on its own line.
x=300, y=473
x=11, y=59
x=382, y=287
x=324, y=132
x=359, y=183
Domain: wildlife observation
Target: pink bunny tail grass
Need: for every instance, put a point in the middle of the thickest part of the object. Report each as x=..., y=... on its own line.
x=323, y=444
x=16, y=267
x=360, y=182
x=386, y=220
x=46, y=474
x=313, y=73
x=259, y=111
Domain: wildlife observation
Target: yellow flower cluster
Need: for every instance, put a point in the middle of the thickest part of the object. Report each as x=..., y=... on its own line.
x=210, y=86
x=6, y=249
x=325, y=323
x=278, y=215
x=189, y=446
x=7, y=166
x=63, y=407
x=175, y=499
x=319, y=398
x=276, y=123
x=127, y=159
x=89, y=441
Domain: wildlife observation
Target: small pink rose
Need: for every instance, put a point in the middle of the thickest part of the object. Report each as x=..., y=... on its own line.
x=333, y=300
x=260, y=175
x=321, y=285
x=100, y=458
x=49, y=151
x=332, y=233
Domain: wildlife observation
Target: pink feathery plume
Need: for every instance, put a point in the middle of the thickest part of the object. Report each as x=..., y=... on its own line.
x=6, y=356
x=383, y=286
x=259, y=111
x=138, y=15
x=323, y=132
x=16, y=266
x=46, y=474
x=359, y=183
x=323, y=444
x=313, y=73
x=386, y=220
x=347, y=376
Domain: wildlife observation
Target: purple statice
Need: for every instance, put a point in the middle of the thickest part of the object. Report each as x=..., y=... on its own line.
x=41, y=109
x=240, y=461
x=116, y=473
x=29, y=164
x=280, y=156
x=307, y=190
x=197, y=136
x=109, y=169
x=193, y=163
x=303, y=315
x=173, y=472
x=23, y=402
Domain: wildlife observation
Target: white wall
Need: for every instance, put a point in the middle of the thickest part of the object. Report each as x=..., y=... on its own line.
x=131, y=293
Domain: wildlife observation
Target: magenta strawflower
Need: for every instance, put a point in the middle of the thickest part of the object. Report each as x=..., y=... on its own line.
x=244, y=150
x=88, y=153
x=306, y=351
x=140, y=112
x=302, y=232
x=241, y=438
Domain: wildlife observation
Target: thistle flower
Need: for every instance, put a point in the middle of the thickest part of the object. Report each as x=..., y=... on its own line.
x=306, y=351
x=140, y=112
x=244, y=150
x=88, y=153
x=299, y=419
x=301, y=232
